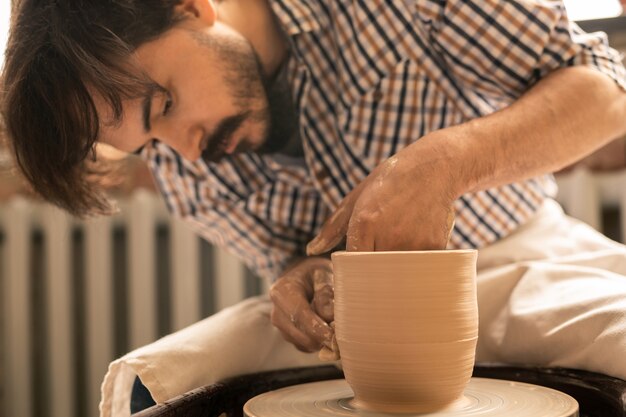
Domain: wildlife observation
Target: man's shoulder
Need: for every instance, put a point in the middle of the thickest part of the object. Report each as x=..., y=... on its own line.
x=355, y=16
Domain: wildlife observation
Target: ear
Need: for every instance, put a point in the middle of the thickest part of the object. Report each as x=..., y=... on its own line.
x=200, y=9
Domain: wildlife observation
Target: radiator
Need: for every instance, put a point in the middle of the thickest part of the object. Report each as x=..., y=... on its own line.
x=598, y=199
x=69, y=306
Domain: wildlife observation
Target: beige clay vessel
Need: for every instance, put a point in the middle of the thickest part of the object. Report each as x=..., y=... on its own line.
x=406, y=326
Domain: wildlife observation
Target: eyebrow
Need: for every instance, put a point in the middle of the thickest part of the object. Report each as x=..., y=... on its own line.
x=146, y=105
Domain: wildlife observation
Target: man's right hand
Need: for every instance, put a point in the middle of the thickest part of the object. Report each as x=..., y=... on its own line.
x=303, y=304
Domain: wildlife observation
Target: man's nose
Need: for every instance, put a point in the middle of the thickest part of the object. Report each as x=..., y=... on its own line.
x=185, y=139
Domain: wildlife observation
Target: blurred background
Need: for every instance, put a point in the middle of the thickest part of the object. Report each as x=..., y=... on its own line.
x=76, y=294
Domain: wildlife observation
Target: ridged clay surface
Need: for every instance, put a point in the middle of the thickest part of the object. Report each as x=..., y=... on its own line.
x=482, y=398
x=406, y=325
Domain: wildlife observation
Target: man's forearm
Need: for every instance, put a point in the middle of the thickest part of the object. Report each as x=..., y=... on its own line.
x=563, y=118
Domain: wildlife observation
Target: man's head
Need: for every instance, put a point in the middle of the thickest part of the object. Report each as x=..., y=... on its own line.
x=125, y=72
x=208, y=97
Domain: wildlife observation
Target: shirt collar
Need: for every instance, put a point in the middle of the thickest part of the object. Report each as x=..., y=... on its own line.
x=296, y=16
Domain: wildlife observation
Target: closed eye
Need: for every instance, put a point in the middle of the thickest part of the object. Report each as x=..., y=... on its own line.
x=167, y=105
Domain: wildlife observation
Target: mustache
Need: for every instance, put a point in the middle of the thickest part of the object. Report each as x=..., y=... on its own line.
x=222, y=135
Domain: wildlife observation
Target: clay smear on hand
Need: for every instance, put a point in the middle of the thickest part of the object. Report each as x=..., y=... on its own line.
x=406, y=327
x=330, y=353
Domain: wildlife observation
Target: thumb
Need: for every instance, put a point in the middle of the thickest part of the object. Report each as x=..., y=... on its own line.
x=323, y=294
x=334, y=229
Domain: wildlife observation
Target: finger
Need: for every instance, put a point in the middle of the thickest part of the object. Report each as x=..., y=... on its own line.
x=291, y=333
x=295, y=306
x=331, y=354
x=332, y=232
x=323, y=294
x=334, y=229
x=360, y=234
x=314, y=326
x=450, y=224
x=328, y=355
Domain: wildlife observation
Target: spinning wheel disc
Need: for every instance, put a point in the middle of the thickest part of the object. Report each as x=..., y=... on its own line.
x=482, y=398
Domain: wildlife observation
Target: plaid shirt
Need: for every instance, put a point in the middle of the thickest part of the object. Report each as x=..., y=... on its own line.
x=368, y=78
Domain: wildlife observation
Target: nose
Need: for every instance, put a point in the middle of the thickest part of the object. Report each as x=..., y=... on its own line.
x=184, y=138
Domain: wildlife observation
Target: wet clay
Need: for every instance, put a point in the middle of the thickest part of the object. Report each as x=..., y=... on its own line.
x=406, y=326
x=483, y=398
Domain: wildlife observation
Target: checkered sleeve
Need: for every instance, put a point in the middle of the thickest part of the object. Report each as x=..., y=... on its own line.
x=256, y=210
x=502, y=47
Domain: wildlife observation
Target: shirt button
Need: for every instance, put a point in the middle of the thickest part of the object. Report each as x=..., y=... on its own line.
x=378, y=94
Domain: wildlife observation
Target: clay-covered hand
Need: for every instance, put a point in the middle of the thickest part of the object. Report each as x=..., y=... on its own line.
x=404, y=204
x=303, y=304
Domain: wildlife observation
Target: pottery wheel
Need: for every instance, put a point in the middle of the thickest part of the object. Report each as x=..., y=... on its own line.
x=483, y=397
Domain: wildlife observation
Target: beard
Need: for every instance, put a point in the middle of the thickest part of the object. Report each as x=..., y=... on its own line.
x=282, y=123
x=244, y=77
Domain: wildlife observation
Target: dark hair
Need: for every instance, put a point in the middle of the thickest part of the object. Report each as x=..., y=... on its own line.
x=59, y=53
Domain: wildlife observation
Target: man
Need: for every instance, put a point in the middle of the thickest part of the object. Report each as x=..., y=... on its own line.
x=261, y=120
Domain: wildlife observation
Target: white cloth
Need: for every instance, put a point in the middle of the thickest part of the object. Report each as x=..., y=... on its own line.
x=553, y=294
x=235, y=341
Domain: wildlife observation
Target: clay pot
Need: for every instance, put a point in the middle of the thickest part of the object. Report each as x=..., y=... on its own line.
x=406, y=326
